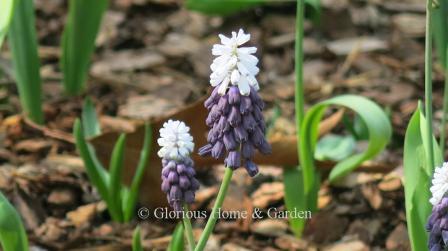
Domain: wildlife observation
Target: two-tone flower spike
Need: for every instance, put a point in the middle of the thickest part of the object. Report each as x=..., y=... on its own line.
x=235, y=119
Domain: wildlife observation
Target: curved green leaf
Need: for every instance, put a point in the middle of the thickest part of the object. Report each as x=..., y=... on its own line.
x=7, y=7
x=96, y=172
x=417, y=176
x=379, y=129
x=12, y=233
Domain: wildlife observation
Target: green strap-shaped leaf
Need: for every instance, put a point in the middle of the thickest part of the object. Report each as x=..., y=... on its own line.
x=379, y=129
x=7, y=7
x=417, y=176
x=12, y=233
x=177, y=239
x=115, y=173
x=294, y=194
x=131, y=199
x=136, y=240
x=23, y=43
x=96, y=172
x=90, y=122
x=78, y=41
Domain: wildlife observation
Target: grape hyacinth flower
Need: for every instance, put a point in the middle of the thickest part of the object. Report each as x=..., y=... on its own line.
x=235, y=117
x=438, y=221
x=178, y=174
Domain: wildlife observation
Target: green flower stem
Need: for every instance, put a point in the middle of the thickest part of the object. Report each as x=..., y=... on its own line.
x=444, y=116
x=299, y=89
x=188, y=229
x=428, y=84
x=214, y=215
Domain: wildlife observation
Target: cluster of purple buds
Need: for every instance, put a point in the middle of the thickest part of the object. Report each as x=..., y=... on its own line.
x=178, y=174
x=179, y=182
x=437, y=226
x=237, y=128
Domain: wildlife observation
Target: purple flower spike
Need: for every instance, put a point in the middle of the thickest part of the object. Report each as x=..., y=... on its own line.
x=436, y=226
x=181, y=184
x=178, y=174
x=239, y=129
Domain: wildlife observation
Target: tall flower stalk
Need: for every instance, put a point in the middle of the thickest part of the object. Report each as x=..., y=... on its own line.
x=236, y=122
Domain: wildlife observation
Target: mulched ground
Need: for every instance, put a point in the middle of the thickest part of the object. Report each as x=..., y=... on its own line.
x=153, y=58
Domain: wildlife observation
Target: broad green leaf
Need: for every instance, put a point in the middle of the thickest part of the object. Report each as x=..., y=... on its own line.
x=115, y=173
x=417, y=181
x=440, y=21
x=12, y=233
x=379, y=129
x=136, y=240
x=177, y=239
x=89, y=119
x=6, y=7
x=131, y=199
x=334, y=147
x=294, y=194
x=23, y=43
x=78, y=41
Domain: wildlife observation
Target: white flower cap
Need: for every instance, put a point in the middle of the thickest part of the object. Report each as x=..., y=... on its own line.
x=439, y=184
x=234, y=65
x=175, y=140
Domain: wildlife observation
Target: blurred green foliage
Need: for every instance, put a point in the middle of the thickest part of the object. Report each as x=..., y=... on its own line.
x=12, y=233
x=78, y=42
x=23, y=44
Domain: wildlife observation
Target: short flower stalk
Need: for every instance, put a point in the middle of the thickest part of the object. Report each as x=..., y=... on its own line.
x=178, y=175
